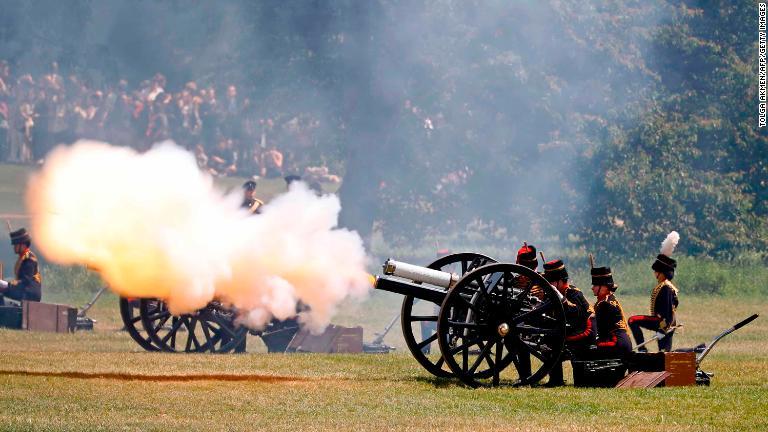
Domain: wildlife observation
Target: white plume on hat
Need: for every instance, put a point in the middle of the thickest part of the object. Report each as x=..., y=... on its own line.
x=669, y=243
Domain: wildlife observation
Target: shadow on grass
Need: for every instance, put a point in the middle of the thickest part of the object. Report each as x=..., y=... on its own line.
x=441, y=383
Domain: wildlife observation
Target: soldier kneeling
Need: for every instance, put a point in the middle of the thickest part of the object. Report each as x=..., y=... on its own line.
x=579, y=335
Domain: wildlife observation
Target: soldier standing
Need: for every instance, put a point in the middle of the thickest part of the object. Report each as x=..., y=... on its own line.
x=28, y=282
x=578, y=332
x=664, y=300
x=251, y=203
x=612, y=337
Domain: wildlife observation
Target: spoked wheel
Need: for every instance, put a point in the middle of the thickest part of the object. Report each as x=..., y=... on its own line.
x=418, y=319
x=210, y=329
x=490, y=320
x=129, y=312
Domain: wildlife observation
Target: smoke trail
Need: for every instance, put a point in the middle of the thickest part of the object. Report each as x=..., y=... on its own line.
x=155, y=226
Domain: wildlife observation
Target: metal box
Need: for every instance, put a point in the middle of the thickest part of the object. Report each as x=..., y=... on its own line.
x=10, y=317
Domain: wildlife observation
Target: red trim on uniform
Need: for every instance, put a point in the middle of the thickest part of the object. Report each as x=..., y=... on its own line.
x=611, y=343
x=586, y=333
x=636, y=318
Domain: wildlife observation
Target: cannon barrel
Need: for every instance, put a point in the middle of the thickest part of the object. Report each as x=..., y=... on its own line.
x=420, y=274
x=420, y=282
x=422, y=292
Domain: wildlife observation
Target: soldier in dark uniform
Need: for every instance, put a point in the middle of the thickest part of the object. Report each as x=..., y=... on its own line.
x=526, y=256
x=612, y=337
x=663, y=306
x=28, y=283
x=579, y=335
x=249, y=201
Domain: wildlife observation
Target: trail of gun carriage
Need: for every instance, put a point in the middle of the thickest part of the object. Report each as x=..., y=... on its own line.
x=377, y=215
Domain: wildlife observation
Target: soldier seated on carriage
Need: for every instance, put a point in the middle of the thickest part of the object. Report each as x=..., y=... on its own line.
x=579, y=333
x=612, y=338
x=28, y=283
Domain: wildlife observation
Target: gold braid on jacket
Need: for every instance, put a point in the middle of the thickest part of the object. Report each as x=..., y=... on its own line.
x=656, y=292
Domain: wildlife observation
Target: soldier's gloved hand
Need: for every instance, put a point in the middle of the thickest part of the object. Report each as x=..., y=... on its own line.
x=3, y=284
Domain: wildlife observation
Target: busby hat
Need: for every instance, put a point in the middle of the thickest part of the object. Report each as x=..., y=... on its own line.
x=555, y=270
x=526, y=256
x=249, y=185
x=664, y=263
x=603, y=276
x=20, y=236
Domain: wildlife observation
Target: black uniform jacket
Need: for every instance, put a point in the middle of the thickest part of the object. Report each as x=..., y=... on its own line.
x=28, y=283
x=577, y=312
x=664, y=303
x=610, y=321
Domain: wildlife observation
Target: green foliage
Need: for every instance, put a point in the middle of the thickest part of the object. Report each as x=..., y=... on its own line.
x=610, y=122
x=69, y=284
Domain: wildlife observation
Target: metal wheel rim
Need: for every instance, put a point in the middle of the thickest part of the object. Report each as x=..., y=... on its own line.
x=206, y=330
x=133, y=325
x=480, y=336
x=436, y=366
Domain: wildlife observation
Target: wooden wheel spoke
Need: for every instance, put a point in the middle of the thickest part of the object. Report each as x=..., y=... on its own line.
x=440, y=362
x=466, y=325
x=224, y=326
x=466, y=303
x=497, y=370
x=422, y=318
x=538, y=310
x=480, y=358
x=427, y=341
x=158, y=315
x=172, y=332
x=465, y=345
x=527, y=329
x=530, y=350
x=207, y=334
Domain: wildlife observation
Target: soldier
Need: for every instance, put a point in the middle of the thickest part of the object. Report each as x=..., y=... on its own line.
x=579, y=335
x=612, y=337
x=664, y=300
x=249, y=202
x=28, y=282
x=526, y=256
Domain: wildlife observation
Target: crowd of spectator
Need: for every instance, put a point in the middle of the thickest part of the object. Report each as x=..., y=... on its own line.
x=229, y=135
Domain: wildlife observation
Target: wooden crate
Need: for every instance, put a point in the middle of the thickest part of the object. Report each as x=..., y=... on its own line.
x=335, y=339
x=48, y=317
x=680, y=365
x=682, y=368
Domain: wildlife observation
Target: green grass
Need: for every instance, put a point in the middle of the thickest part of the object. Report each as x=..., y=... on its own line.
x=103, y=381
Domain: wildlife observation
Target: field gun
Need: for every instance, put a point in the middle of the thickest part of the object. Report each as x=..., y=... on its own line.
x=489, y=316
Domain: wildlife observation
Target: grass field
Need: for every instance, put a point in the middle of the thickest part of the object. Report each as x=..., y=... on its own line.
x=103, y=381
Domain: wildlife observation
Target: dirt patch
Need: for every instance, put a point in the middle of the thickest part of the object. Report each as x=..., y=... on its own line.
x=162, y=378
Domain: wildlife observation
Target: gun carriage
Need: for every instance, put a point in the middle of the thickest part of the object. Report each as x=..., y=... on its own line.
x=504, y=323
x=211, y=329
x=490, y=316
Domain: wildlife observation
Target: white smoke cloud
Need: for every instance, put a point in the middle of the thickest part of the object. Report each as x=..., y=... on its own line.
x=155, y=226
